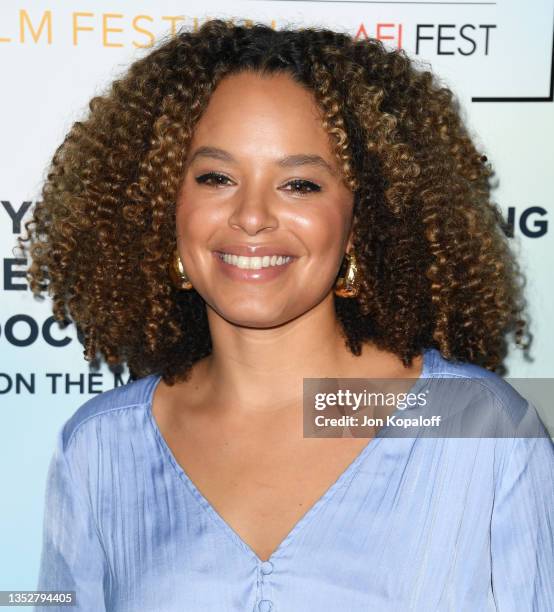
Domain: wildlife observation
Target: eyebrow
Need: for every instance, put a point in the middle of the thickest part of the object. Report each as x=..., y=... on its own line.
x=290, y=161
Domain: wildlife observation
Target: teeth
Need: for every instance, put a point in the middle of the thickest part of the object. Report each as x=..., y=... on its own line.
x=254, y=263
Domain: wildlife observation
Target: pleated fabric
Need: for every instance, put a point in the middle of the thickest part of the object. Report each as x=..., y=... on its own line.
x=413, y=524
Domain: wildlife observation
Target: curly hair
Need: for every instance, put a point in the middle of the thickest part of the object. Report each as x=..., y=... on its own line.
x=435, y=263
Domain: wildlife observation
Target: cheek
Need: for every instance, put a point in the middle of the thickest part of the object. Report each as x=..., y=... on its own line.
x=324, y=228
x=194, y=222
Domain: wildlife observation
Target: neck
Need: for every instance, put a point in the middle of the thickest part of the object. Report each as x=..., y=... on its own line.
x=253, y=369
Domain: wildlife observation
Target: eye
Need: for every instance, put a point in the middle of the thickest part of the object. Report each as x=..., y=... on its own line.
x=212, y=178
x=303, y=187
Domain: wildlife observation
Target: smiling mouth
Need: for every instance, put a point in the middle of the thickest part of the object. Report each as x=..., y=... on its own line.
x=254, y=263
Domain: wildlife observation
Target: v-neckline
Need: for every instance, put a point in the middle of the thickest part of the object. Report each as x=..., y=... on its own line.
x=341, y=480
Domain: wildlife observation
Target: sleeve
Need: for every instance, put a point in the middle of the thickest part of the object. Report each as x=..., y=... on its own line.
x=522, y=527
x=72, y=557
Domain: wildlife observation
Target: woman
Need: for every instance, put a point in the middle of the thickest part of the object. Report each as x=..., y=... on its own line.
x=245, y=209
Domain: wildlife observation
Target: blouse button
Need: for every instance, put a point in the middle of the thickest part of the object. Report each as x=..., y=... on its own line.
x=265, y=605
x=267, y=567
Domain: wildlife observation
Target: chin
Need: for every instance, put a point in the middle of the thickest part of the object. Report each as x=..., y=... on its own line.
x=247, y=316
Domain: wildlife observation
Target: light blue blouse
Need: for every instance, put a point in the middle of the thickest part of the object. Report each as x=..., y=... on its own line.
x=413, y=524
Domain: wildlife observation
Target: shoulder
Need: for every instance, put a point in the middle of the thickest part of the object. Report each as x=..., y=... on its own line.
x=133, y=394
x=443, y=368
x=473, y=384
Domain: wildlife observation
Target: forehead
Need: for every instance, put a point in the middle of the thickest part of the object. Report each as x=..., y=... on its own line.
x=272, y=111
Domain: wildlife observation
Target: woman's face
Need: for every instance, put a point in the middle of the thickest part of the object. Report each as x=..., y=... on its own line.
x=262, y=182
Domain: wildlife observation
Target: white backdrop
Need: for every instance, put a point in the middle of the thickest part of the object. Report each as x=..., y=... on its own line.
x=496, y=56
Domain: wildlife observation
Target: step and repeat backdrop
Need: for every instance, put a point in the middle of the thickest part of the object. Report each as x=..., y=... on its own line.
x=497, y=57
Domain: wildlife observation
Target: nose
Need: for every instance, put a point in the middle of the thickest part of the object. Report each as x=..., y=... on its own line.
x=253, y=212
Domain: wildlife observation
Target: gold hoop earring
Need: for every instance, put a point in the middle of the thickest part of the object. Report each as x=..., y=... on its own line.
x=177, y=273
x=348, y=284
